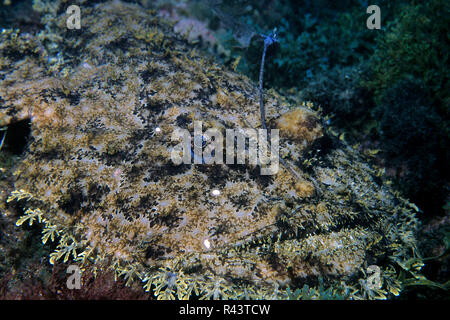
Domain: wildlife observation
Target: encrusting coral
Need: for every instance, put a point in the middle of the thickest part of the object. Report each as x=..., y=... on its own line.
x=98, y=172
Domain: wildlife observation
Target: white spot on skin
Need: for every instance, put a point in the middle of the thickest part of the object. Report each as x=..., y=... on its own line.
x=116, y=173
x=86, y=65
x=215, y=192
x=157, y=130
x=207, y=244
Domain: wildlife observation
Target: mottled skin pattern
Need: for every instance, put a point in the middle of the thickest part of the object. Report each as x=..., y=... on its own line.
x=104, y=175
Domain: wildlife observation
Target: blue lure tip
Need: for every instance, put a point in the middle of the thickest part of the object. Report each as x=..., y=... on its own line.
x=271, y=38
